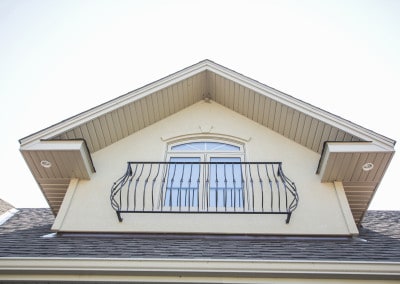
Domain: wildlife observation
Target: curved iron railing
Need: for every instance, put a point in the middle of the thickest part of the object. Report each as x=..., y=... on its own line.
x=204, y=187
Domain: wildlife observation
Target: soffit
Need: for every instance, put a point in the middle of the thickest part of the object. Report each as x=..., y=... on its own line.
x=53, y=163
x=303, y=123
x=345, y=162
x=295, y=119
x=302, y=127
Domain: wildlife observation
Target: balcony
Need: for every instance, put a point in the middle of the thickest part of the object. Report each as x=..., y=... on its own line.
x=193, y=187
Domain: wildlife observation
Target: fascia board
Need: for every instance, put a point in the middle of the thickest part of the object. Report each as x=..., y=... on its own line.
x=7, y=215
x=347, y=147
x=210, y=269
x=77, y=145
x=54, y=145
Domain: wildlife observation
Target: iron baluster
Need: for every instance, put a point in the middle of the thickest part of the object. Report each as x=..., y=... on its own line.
x=261, y=188
x=225, y=188
x=152, y=187
x=271, y=189
x=240, y=189
x=198, y=191
x=278, y=188
x=234, y=188
x=171, y=188
x=252, y=188
x=163, y=185
x=244, y=195
x=135, y=189
x=145, y=186
x=179, y=200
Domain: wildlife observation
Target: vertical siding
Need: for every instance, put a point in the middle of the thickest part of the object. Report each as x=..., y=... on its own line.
x=117, y=124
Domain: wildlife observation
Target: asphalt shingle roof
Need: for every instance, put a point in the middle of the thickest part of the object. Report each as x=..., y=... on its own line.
x=23, y=236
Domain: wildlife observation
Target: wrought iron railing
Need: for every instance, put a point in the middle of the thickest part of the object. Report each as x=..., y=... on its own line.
x=204, y=187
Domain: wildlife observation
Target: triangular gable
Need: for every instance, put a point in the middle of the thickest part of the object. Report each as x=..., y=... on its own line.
x=71, y=141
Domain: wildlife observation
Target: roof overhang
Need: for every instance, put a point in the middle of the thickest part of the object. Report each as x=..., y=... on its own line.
x=54, y=163
x=301, y=122
x=353, y=162
x=360, y=166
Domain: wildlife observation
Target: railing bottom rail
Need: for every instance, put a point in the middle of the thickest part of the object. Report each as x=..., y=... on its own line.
x=288, y=214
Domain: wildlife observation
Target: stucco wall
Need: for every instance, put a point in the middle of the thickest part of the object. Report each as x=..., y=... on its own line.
x=87, y=204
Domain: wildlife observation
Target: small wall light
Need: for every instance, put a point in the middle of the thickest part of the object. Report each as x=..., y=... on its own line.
x=367, y=167
x=45, y=164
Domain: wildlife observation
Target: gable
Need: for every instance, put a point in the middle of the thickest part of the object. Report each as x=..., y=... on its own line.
x=112, y=121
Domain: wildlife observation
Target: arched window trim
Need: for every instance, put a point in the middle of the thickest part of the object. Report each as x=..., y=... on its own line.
x=204, y=146
x=201, y=138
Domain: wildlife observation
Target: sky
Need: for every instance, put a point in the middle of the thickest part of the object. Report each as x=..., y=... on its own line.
x=59, y=58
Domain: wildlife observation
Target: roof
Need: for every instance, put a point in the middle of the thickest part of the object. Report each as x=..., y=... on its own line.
x=29, y=251
x=67, y=146
x=28, y=234
x=4, y=206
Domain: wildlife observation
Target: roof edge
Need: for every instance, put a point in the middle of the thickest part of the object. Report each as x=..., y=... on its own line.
x=203, y=65
x=107, y=106
x=304, y=107
x=189, y=270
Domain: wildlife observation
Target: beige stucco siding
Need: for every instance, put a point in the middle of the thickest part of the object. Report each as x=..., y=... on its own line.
x=320, y=211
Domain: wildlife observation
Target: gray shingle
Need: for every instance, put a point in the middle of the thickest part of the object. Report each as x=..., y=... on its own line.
x=22, y=236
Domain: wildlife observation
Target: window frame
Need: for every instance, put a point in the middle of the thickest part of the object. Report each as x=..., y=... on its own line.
x=205, y=156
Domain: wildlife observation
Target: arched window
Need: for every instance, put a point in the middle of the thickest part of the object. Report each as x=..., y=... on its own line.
x=204, y=174
x=205, y=146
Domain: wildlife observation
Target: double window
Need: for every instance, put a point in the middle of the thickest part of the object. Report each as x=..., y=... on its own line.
x=204, y=175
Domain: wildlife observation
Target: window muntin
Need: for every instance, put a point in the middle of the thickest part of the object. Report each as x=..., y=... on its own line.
x=205, y=146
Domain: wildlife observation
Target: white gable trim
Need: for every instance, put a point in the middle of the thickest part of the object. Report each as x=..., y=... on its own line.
x=7, y=215
x=345, y=125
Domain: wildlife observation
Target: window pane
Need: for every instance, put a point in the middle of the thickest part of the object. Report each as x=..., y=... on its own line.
x=192, y=146
x=183, y=182
x=215, y=146
x=226, y=188
x=205, y=146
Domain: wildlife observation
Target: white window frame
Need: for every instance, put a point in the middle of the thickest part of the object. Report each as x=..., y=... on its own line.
x=205, y=156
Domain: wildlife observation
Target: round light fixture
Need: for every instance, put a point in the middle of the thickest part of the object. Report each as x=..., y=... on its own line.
x=45, y=164
x=367, y=167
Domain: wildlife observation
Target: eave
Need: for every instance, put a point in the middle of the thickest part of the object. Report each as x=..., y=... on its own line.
x=190, y=270
x=54, y=163
x=303, y=123
x=360, y=166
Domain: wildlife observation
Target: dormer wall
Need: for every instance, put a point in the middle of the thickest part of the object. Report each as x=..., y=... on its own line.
x=322, y=208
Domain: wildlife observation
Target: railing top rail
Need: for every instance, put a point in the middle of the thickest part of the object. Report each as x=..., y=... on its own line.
x=197, y=162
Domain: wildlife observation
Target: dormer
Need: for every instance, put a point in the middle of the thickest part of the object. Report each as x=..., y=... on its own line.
x=207, y=150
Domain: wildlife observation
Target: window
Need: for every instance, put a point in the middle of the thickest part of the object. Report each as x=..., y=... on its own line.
x=204, y=175
x=225, y=188
x=183, y=182
x=205, y=146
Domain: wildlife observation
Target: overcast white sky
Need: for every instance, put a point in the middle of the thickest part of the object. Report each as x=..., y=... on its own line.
x=59, y=58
